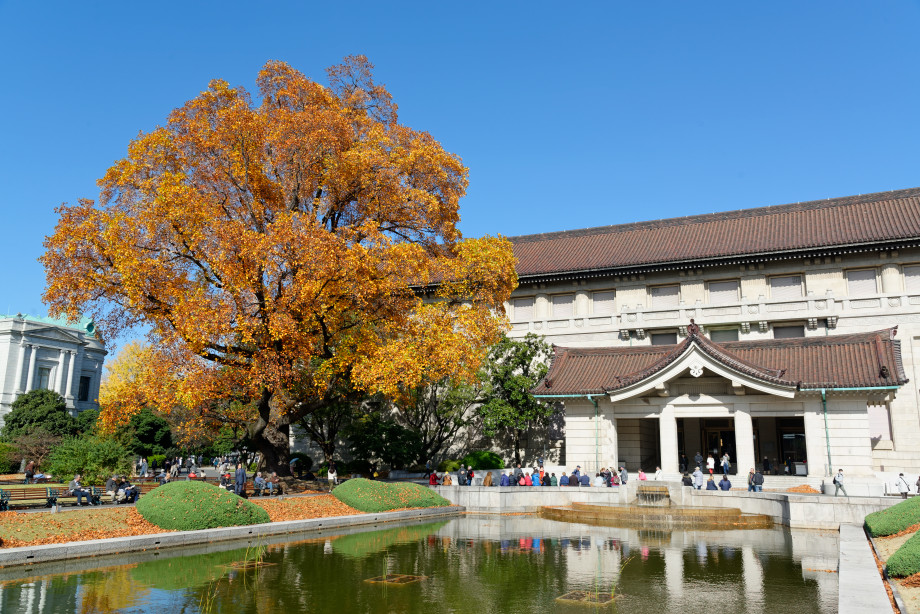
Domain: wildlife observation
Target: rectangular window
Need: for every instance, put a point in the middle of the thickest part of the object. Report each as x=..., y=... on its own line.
x=912, y=279
x=563, y=305
x=603, y=303
x=83, y=395
x=721, y=335
x=664, y=338
x=788, y=332
x=665, y=297
x=786, y=287
x=722, y=292
x=879, y=422
x=44, y=377
x=523, y=309
x=861, y=283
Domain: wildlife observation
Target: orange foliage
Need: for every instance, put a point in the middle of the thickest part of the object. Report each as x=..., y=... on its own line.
x=280, y=251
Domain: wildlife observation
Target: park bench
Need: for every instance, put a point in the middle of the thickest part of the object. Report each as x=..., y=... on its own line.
x=27, y=497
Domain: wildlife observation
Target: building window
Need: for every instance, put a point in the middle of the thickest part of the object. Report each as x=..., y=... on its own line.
x=721, y=335
x=665, y=297
x=912, y=279
x=603, y=303
x=563, y=306
x=44, y=377
x=879, y=422
x=861, y=283
x=786, y=287
x=723, y=292
x=83, y=394
x=523, y=309
x=789, y=332
x=664, y=338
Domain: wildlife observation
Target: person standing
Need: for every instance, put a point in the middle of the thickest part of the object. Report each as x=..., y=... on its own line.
x=903, y=486
x=144, y=467
x=624, y=476
x=758, y=481
x=683, y=463
x=751, y=480
x=657, y=473
x=29, y=471
x=698, y=479
x=710, y=464
x=240, y=479
x=698, y=459
x=726, y=464
x=838, y=483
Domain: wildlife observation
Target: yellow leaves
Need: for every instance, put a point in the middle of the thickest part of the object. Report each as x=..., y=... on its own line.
x=275, y=248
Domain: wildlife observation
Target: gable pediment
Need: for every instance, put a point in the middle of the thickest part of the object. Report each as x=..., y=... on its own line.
x=52, y=333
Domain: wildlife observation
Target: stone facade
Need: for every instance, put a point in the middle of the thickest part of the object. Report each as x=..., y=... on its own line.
x=770, y=295
x=45, y=353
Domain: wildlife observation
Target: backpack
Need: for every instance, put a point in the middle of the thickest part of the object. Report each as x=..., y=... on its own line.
x=835, y=479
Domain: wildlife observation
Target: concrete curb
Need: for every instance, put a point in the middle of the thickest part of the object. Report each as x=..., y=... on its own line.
x=28, y=555
x=860, y=586
x=894, y=587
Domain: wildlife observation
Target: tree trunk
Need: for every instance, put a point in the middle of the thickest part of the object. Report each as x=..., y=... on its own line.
x=516, y=442
x=271, y=440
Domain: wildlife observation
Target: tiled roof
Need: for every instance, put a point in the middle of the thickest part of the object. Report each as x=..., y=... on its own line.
x=834, y=223
x=838, y=361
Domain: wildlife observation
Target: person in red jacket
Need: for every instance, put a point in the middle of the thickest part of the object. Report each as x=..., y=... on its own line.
x=433, y=478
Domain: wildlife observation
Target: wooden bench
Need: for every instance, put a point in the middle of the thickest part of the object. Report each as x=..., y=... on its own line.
x=27, y=497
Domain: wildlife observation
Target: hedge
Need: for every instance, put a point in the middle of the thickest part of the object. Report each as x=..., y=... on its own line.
x=483, y=459
x=371, y=496
x=191, y=506
x=894, y=519
x=448, y=465
x=906, y=561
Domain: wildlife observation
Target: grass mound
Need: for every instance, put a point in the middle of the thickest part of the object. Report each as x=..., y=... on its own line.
x=906, y=561
x=190, y=506
x=371, y=496
x=895, y=519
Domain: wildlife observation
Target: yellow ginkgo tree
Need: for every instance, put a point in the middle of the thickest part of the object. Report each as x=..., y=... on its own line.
x=280, y=252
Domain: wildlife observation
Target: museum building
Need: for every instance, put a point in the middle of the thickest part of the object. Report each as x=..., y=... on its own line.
x=785, y=336
x=37, y=352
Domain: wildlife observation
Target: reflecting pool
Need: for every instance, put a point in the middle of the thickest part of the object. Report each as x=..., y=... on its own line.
x=478, y=564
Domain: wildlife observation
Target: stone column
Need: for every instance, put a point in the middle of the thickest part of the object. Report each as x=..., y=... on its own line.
x=744, y=439
x=70, y=366
x=31, y=367
x=59, y=379
x=582, y=300
x=611, y=452
x=667, y=430
x=20, y=364
x=891, y=279
x=816, y=440
x=541, y=307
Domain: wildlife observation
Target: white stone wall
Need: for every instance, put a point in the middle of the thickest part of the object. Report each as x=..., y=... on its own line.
x=825, y=308
x=68, y=352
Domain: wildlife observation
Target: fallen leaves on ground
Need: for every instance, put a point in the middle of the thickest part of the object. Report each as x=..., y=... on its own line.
x=804, y=488
x=18, y=529
x=302, y=508
x=911, y=529
x=911, y=581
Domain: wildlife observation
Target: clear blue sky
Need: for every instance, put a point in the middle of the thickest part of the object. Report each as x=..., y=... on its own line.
x=568, y=114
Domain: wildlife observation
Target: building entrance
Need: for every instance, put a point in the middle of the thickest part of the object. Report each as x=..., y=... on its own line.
x=718, y=437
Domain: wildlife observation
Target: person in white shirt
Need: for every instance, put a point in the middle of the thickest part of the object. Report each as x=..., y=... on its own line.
x=599, y=481
x=657, y=473
x=903, y=486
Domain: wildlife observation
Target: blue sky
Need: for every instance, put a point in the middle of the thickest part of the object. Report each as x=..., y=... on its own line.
x=569, y=115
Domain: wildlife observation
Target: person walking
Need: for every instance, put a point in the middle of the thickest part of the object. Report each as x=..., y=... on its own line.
x=838, y=483
x=903, y=486
x=751, y=480
x=726, y=464
x=710, y=464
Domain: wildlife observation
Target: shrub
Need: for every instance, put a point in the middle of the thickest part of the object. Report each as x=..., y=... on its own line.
x=483, y=459
x=8, y=455
x=305, y=461
x=39, y=408
x=906, y=561
x=895, y=519
x=370, y=496
x=190, y=506
x=448, y=465
x=159, y=459
x=94, y=457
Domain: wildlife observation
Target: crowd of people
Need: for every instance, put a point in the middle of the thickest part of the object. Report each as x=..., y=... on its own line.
x=537, y=476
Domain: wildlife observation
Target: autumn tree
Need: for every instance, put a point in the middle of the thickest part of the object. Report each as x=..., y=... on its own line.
x=277, y=249
x=513, y=369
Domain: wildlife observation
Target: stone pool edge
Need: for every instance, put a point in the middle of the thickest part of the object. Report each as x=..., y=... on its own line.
x=860, y=587
x=28, y=555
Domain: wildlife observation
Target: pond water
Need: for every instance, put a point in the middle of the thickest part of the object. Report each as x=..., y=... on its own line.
x=479, y=564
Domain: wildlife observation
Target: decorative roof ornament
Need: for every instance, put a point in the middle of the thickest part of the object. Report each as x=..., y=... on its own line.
x=693, y=330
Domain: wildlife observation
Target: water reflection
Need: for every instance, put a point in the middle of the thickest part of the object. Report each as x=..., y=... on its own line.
x=469, y=564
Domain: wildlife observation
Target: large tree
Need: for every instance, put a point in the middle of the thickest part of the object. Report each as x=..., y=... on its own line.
x=275, y=250
x=513, y=369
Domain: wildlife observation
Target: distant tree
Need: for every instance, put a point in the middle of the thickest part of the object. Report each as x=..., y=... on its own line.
x=39, y=408
x=374, y=437
x=149, y=433
x=437, y=413
x=325, y=425
x=512, y=370
x=35, y=445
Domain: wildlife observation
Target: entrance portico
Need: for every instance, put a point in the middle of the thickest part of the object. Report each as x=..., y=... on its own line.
x=801, y=401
